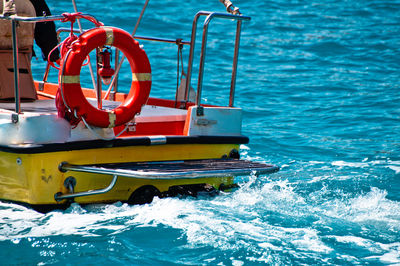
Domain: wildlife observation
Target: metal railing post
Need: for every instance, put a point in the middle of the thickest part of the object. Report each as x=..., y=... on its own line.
x=98, y=81
x=115, y=88
x=235, y=63
x=16, y=66
x=202, y=59
x=90, y=64
x=191, y=53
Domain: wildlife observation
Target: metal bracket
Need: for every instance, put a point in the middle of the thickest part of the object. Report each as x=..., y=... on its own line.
x=158, y=140
x=41, y=85
x=183, y=105
x=112, y=94
x=205, y=122
x=70, y=183
x=131, y=126
x=200, y=111
x=14, y=118
x=61, y=167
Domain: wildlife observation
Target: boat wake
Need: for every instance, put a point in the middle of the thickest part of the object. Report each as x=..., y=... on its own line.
x=267, y=220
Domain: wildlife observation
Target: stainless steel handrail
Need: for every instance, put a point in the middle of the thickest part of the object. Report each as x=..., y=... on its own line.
x=139, y=37
x=210, y=16
x=41, y=19
x=146, y=38
x=191, y=52
x=59, y=196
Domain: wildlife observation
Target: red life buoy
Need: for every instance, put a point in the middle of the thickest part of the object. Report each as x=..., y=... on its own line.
x=69, y=77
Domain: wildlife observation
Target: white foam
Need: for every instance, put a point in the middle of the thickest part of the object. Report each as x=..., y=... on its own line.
x=307, y=240
x=231, y=221
x=393, y=165
x=236, y=262
x=350, y=164
x=267, y=245
x=392, y=257
x=354, y=240
x=395, y=168
x=372, y=206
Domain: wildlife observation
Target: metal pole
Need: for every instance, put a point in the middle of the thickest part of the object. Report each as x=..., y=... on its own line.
x=202, y=61
x=90, y=64
x=235, y=63
x=98, y=88
x=123, y=57
x=16, y=66
x=115, y=88
x=191, y=53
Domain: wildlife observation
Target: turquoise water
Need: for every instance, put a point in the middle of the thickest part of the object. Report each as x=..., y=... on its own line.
x=318, y=83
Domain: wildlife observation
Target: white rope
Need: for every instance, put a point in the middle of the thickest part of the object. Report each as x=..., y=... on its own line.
x=101, y=137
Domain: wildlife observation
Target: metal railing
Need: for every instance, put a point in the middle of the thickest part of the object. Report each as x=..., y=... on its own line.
x=209, y=18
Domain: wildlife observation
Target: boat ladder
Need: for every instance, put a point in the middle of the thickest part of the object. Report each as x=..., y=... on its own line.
x=165, y=170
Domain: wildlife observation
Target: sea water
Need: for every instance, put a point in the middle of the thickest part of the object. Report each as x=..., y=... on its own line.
x=318, y=82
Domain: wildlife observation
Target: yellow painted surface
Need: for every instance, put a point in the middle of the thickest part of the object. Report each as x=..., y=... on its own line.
x=35, y=178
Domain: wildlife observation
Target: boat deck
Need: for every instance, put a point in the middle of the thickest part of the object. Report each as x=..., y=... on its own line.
x=40, y=106
x=149, y=112
x=152, y=120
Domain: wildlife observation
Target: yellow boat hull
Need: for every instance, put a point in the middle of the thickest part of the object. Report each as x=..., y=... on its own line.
x=34, y=178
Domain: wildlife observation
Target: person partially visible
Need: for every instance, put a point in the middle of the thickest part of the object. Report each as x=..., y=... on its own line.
x=45, y=32
x=45, y=36
x=25, y=34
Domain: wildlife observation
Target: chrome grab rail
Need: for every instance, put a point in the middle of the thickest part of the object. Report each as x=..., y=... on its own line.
x=35, y=19
x=210, y=16
x=139, y=37
x=160, y=39
x=59, y=196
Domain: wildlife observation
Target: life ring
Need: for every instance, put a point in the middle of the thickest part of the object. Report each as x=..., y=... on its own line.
x=69, y=77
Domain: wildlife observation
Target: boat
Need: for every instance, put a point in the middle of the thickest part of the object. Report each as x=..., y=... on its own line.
x=69, y=143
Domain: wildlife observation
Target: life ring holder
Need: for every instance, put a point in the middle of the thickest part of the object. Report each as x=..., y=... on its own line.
x=69, y=77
